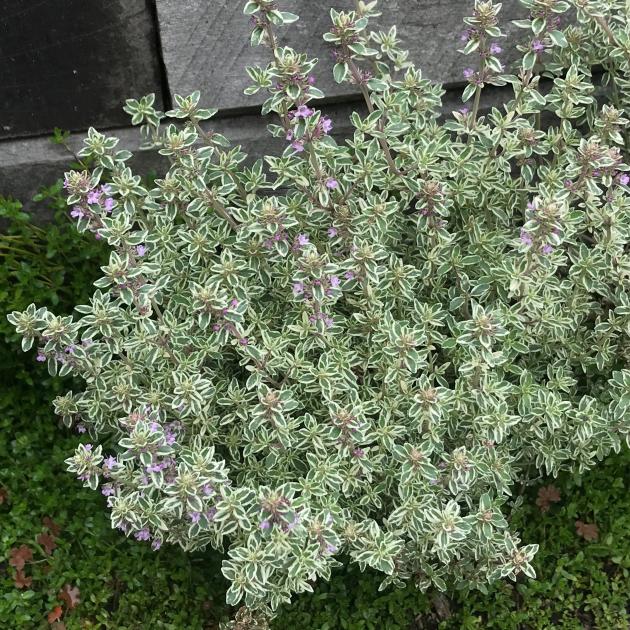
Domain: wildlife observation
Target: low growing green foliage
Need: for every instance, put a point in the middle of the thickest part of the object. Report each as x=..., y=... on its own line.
x=367, y=365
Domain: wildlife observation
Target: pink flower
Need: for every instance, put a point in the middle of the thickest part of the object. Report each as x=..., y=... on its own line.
x=537, y=46
x=331, y=183
x=349, y=275
x=77, y=212
x=495, y=49
x=468, y=73
x=334, y=281
x=298, y=145
x=40, y=357
x=141, y=250
x=143, y=534
x=156, y=544
x=93, y=196
x=298, y=288
x=108, y=205
x=110, y=462
x=303, y=111
x=332, y=232
x=326, y=124
x=525, y=237
x=623, y=179
x=302, y=240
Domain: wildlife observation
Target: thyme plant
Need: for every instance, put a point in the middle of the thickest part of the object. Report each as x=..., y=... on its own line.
x=360, y=348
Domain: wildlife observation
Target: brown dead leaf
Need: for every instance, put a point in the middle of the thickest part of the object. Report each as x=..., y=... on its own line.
x=19, y=556
x=55, y=614
x=546, y=496
x=47, y=542
x=51, y=525
x=4, y=495
x=70, y=596
x=588, y=531
x=21, y=580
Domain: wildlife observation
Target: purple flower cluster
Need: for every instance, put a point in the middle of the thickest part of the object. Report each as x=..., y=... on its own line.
x=273, y=516
x=143, y=534
x=329, y=283
x=537, y=240
x=95, y=202
x=279, y=235
x=327, y=319
x=110, y=462
x=166, y=463
x=221, y=322
x=525, y=237
x=61, y=357
x=322, y=128
x=303, y=81
x=100, y=197
x=301, y=241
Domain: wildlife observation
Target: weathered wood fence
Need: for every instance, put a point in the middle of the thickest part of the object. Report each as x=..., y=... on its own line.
x=72, y=63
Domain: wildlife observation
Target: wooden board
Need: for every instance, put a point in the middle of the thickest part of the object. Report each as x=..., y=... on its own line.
x=72, y=63
x=205, y=43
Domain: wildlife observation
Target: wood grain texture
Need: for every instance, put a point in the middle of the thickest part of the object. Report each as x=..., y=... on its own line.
x=72, y=63
x=206, y=43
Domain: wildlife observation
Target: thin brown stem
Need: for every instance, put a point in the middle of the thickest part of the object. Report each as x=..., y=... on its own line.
x=368, y=101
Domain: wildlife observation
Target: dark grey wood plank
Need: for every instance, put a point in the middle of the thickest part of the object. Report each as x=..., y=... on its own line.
x=72, y=63
x=206, y=43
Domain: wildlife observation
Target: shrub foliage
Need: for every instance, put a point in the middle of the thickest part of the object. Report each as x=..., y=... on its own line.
x=359, y=348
